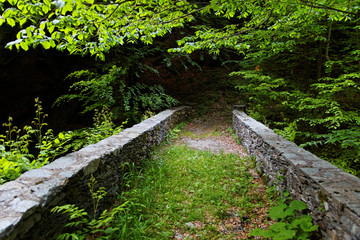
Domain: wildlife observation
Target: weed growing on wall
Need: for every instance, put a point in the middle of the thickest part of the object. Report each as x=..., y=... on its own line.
x=89, y=227
x=232, y=132
x=174, y=133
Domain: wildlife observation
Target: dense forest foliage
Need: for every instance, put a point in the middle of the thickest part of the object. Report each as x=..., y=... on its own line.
x=295, y=62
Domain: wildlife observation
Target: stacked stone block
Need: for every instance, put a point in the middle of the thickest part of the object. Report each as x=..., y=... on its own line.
x=332, y=195
x=25, y=203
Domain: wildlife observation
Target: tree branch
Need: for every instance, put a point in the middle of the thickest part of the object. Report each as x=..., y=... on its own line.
x=257, y=26
x=183, y=16
x=117, y=7
x=307, y=3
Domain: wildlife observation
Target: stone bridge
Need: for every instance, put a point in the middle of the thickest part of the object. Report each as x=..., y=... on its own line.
x=332, y=195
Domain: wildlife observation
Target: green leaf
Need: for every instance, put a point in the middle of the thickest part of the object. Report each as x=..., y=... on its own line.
x=258, y=232
x=22, y=21
x=278, y=212
x=42, y=25
x=307, y=225
x=45, y=8
x=12, y=2
x=51, y=28
x=10, y=21
x=285, y=235
x=24, y=46
x=45, y=44
x=298, y=205
x=61, y=136
x=52, y=43
x=279, y=226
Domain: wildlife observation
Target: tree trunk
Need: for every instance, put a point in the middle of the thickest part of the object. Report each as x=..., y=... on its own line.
x=328, y=42
x=319, y=62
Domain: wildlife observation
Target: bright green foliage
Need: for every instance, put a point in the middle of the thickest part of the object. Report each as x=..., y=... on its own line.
x=271, y=26
x=260, y=89
x=147, y=114
x=289, y=225
x=15, y=146
x=15, y=157
x=110, y=89
x=324, y=118
x=103, y=127
x=334, y=102
x=89, y=226
x=49, y=146
x=88, y=26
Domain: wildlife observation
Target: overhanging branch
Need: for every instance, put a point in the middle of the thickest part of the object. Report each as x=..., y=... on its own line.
x=309, y=4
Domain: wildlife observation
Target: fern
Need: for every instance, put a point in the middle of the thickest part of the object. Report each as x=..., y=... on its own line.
x=87, y=227
x=110, y=89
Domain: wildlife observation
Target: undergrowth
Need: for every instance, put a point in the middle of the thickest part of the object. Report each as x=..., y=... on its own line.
x=198, y=186
x=109, y=88
x=89, y=227
x=290, y=223
x=28, y=148
x=323, y=117
x=35, y=145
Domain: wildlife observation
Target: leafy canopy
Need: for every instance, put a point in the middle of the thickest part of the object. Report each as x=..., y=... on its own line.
x=95, y=26
x=89, y=26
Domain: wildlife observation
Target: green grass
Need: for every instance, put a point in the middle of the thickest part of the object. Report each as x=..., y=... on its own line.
x=180, y=185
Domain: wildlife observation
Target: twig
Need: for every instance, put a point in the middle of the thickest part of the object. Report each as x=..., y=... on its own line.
x=188, y=14
x=326, y=7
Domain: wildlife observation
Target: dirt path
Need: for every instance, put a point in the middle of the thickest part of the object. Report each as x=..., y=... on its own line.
x=213, y=132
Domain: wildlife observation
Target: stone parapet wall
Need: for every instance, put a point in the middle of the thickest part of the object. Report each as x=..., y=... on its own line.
x=25, y=203
x=332, y=195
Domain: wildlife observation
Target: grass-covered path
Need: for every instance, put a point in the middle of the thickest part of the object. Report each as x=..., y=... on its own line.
x=200, y=185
